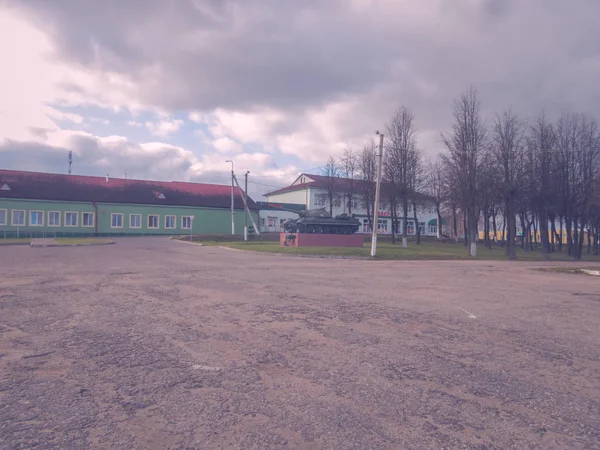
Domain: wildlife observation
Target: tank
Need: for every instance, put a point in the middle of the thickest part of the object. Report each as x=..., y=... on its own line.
x=320, y=221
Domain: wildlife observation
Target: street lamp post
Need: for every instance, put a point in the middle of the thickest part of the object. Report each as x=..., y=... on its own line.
x=232, y=208
x=246, y=210
x=376, y=206
x=191, y=226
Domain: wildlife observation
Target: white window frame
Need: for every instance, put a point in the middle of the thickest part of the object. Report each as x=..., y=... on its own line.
x=320, y=199
x=31, y=212
x=157, y=227
x=76, y=219
x=5, y=216
x=53, y=212
x=130, y=223
x=122, y=220
x=12, y=217
x=83, y=222
x=382, y=225
x=365, y=226
x=183, y=227
x=432, y=229
x=174, y=222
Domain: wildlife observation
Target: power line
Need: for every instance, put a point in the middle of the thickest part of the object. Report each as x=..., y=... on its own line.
x=265, y=184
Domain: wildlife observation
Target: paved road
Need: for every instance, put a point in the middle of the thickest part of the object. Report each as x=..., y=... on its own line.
x=156, y=344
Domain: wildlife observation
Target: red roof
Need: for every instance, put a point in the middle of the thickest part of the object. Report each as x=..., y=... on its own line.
x=341, y=184
x=43, y=186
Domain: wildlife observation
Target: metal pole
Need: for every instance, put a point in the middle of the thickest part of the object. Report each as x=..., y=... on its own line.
x=256, y=230
x=377, y=189
x=246, y=212
x=232, y=208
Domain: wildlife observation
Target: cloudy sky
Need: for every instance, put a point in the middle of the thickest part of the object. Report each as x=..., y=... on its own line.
x=170, y=89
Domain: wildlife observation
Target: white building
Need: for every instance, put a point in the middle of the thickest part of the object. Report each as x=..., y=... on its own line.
x=311, y=192
x=272, y=215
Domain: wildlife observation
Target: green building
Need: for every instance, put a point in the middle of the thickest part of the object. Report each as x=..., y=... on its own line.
x=36, y=204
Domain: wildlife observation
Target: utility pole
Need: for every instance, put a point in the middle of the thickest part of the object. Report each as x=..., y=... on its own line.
x=232, y=208
x=256, y=230
x=377, y=189
x=191, y=226
x=246, y=211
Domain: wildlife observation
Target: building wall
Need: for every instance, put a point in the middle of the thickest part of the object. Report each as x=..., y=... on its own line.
x=299, y=197
x=271, y=220
x=206, y=221
x=318, y=199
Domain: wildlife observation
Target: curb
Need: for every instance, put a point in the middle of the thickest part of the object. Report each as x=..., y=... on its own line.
x=187, y=242
x=72, y=245
x=14, y=243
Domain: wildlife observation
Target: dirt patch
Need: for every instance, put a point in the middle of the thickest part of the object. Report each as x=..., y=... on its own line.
x=153, y=344
x=592, y=271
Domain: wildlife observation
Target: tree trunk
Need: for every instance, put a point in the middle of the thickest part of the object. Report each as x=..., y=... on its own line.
x=454, y=223
x=569, y=229
x=417, y=229
x=589, y=242
x=504, y=230
x=543, y=215
x=485, y=228
x=405, y=222
x=511, y=228
x=581, y=237
x=439, y=221
x=494, y=227
x=473, y=232
x=535, y=230
x=522, y=219
x=394, y=220
x=560, y=241
x=465, y=234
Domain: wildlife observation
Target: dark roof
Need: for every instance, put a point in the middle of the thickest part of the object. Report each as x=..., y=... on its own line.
x=60, y=187
x=274, y=206
x=341, y=184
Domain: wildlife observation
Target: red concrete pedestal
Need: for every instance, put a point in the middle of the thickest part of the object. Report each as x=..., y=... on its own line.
x=320, y=240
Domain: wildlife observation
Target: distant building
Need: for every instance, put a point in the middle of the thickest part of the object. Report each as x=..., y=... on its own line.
x=37, y=204
x=311, y=191
x=273, y=215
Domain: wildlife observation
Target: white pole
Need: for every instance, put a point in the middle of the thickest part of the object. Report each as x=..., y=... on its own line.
x=246, y=205
x=246, y=208
x=376, y=206
x=191, y=226
x=232, y=208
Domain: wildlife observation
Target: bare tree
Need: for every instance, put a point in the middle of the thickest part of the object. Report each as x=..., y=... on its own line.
x=390, y=188
x=435, y=187
x=587, y=164
x=349, y=169
x=466, y=145
x=541, y=143
x=403, y=160
x=331, y=170
x=416, y=171
x=508, y=153
x=367, y=173
x=594, y=240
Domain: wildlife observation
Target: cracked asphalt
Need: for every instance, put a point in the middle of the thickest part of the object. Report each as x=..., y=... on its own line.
x=155, y=344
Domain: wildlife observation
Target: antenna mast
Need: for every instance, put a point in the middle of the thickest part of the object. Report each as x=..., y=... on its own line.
x=70, y=161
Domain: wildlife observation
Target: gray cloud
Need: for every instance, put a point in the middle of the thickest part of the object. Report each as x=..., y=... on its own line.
x=293, y=56
x=98, y=157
